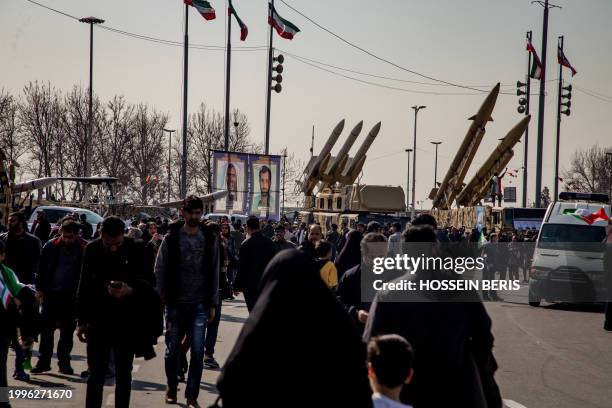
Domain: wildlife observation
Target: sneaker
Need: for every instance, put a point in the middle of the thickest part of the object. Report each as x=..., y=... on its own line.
x=85, y=374
x=39, y=369
x=607, y=326
x=170, y=397
x=210, y=362
x=66, y=369
x=192, y=403
x=21, y=376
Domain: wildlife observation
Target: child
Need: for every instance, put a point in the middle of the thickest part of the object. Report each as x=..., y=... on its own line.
x=390, y=360
x=9, y=289
x=328, y=270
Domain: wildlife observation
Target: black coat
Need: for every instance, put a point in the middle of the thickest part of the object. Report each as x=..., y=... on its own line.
x=254, y=255
x=22, y=255
x=48, y=263
x=298, y=348
x=454, y=363
x=349, y=294
x=129, y=316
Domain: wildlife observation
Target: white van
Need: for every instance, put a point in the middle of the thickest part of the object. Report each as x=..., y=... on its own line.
x=567, y=263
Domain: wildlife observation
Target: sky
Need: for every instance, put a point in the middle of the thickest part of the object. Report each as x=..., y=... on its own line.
x=470, y=42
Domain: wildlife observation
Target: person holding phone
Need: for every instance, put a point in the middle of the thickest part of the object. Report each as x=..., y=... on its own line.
x=115, y=275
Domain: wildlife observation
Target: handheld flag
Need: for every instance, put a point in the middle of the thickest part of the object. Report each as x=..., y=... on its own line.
x=284, y=28
x=537, y=71
x=564, y=61
x=244, y=30
x=587, y=216
x=203, y=7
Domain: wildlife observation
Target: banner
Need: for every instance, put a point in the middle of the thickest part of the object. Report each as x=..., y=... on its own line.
x=253, y=183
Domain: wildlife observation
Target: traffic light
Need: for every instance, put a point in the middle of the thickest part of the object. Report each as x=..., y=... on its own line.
x=566, y=99
x=276, y=80
x=522, y=101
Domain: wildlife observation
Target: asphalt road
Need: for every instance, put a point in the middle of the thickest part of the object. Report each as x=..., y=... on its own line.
x=552, y=356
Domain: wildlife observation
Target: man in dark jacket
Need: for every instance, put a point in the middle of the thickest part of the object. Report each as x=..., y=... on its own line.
x=86, y=227
x=115, y=278
x=187, y=271
x=255, y=253
x=309, y=245
x=56, y=285
x=42, y=227
x=22, y=255
x=279, y=240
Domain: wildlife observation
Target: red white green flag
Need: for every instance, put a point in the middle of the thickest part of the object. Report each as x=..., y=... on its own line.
x=537, y=71
x=203, y=7
x=244, y=30
x=284, y=28
x=589, y=217
x=564, y=61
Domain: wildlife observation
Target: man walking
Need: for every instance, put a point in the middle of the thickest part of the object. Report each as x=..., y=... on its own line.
x=56, y=284
x=22, y=255
x=253, y=257
x=279, y=240
x=115, y=277
x=187, y=270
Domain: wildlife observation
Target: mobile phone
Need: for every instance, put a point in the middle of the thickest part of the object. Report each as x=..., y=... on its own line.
x=116, y=284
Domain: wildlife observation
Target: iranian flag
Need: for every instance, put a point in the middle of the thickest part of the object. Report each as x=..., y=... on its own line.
x=589, y=217
x=537, y=71
x=5, y=294
x=562, y=59
x=244, y=30
x=203, y=7
x=284, y=28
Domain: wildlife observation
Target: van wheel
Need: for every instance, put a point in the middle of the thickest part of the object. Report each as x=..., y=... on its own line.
x=534, y=304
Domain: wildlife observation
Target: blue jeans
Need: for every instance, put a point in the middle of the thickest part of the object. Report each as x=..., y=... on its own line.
x=190, y=320
x=211, y=332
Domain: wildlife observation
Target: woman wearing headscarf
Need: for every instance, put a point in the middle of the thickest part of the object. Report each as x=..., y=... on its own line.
x=350, y=255
x=284, y=355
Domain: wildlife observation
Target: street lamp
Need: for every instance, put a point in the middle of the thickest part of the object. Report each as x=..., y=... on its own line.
x=436, y=163
x=416, y=110
x=91, y=21
x=408, y=181
x=169, y=156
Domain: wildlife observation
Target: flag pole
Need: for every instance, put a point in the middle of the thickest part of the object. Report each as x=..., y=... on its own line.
x=185, y=79
x=556, y=185
x=526, y=144
x=228, y=65
x=269, y=81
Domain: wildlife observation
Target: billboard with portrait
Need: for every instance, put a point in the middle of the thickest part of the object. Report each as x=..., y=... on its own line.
x=253, y=183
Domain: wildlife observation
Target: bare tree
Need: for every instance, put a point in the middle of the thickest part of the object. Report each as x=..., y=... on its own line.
x=293, y=169
x=146, y=157
x=590, y=170
x=40, y=119
x=11, y=143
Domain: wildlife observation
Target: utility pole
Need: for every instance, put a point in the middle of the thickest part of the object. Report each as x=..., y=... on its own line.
x=416, y=111
x=185, y=80
x=169, y=159
x=540, y=146
x=228, y=71
x=312, y=143
x=88, y=143
x=558, y=141
x=436, y=164
x=408, y=181
x=526, y=145
x=269, y=79
x=284, y=175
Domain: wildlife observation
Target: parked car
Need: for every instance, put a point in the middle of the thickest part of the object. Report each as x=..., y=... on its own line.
x=56, y=213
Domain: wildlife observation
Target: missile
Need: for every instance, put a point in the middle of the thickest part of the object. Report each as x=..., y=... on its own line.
x=319, y=163
x=339, y=162
x=35, y=184
x=208, y=198
x=452, y=182
x=350, y=174
x=477, y=187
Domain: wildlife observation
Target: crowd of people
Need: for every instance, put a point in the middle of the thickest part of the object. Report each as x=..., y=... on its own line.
x=310, y=335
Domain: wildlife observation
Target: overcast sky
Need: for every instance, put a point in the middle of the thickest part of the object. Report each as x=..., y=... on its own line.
x=473, y=42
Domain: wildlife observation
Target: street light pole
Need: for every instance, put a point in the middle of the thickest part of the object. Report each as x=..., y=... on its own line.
x=408, y=181
x=169, y=158
x=436, y=163
x=88, y=142
x=416, y=111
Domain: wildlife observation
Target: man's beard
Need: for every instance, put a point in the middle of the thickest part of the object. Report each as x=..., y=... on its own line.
x=192, y=222
x=15, y=229
x=265, y=194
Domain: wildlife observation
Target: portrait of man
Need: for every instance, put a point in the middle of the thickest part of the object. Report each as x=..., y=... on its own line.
x=263, y=179
x=230, y=175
